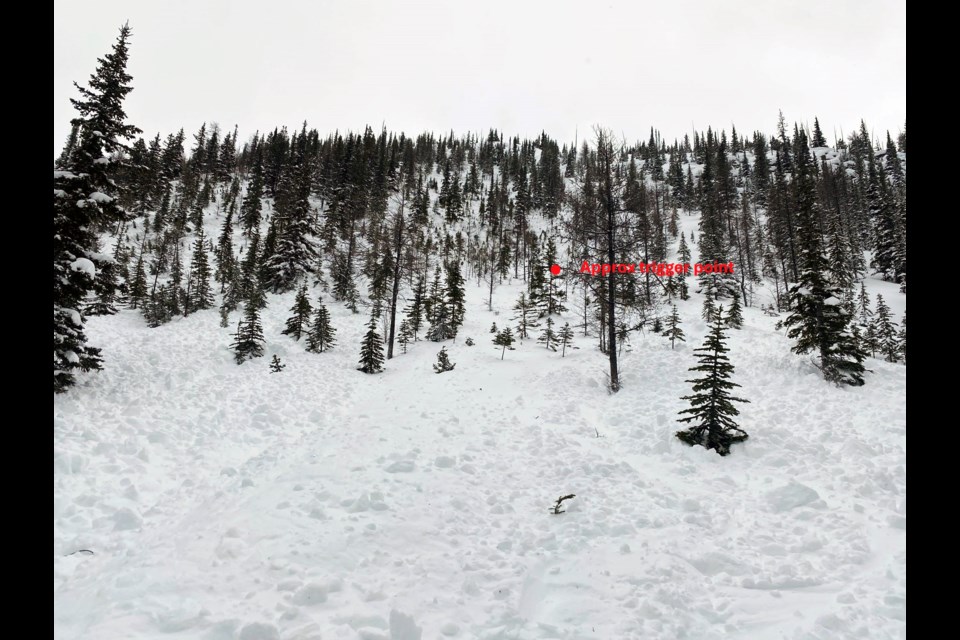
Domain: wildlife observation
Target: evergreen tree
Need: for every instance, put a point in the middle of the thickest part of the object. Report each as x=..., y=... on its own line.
x=275, y=365
x=887, y=342
x=199, y=294
x=735, y=316
x=443, y=362
x=249, y=339
x=902, y=338
x=566, y=338
x=298, y=323
x=415, y=310
x=674, y=332
x=138, y=284
x=712, y=408
x=504, y=339
x=84, y=202
x=405, y=335
x=548, y=336
x=818, y=139
x=455, y=295
x=321, y=336
x=371, y=350
x=524, y=316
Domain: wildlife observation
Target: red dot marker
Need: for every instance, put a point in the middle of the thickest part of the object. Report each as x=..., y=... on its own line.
x=555, y=269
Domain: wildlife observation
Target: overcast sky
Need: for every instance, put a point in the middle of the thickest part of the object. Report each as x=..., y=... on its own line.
x=521, y=66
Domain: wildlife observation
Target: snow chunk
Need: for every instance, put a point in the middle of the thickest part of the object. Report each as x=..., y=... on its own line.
x=99, y=196
x=125, y=520
x=69, y=175
x=259, y=631
x=311, y=594
x=59, y=193
x=85, y=265
x=402, y=627
x=832, y=301
x=401, y=466
x=791, y=496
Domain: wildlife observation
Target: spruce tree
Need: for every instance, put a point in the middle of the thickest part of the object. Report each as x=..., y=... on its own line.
x=566, y=338
x=415, y=310
x=712, y=408
x=138, y=284
x=275, y=365
x=199, y=296
x=674, y=332
x=735, y=315
x=524, y=317
x=902, y=338
x=455, y=295
x=548, y=336
x=504, y=339
x=249, y=339
x=405, y=335
x=885, y=330
x=297, y=323
x=443, y=362
x=85, y=201
x=321, y=336
x=371, y=349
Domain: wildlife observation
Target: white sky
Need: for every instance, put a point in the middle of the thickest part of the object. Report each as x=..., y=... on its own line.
x=521, y=66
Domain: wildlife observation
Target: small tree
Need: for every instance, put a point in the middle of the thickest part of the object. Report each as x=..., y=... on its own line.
x=674, y=332
x=566, y=338
x=321, y=336
x=298, y=322
x=405, y=335
x=504, y=339
x=735, y=315
x=885, y=331
x=493, y=328
x=525, y=316
x=371, y=350
x=275, y=365
x=711, y=403
x=443, y=362
x=249, y=339
x=548, y=336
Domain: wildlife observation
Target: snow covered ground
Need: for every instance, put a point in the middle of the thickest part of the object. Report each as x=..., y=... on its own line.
x=225, y=502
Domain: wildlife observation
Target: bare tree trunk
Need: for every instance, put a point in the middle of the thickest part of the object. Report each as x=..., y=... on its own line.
x=397, y=245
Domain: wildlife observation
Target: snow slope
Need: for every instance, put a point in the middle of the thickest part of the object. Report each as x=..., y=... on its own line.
x=225, y=502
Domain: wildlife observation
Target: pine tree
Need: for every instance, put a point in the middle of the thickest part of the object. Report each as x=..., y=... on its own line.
x=371, y=350
x=84, y=202
x=902, y=338
x=297, y=323
x=885, y=330
x=504, y=339
x=249, y=339
x=548, y=336
x=138, y=284
x=674, y=332
x=443, y=362
x=712, y=407
x=199, y=294
x=415, y=310
x=275, y=365
x=321, y=335
x=405, y=335
x=735, y=315
x=455, y=295
x=566, y=338
x=524, y=316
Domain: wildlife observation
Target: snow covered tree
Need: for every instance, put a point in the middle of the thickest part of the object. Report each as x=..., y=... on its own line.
x=525, y=316
x=735, y=315
x=405, y=335
x=712, y=408
x=275, y=365
x=321, y=335
x=455, y=295
x=674, y=332
x=548, y=336
x=199, y=294
x=371, y=349
x=249, y=339
x=885, y=331
x=84, y=202
x=297, y=323
x=415, y=310
x=902, y=338
x=504, y=339
x=566, y=338
x=443, y=362
x=138, y=284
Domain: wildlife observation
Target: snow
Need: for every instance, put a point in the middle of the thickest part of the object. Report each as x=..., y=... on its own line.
x=98, y=196
x=223, y=501
x=84, y=265
x=832, y=301
x=69, y=175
